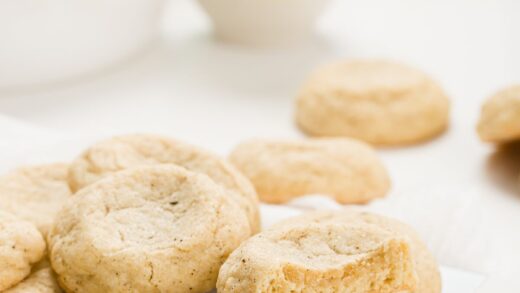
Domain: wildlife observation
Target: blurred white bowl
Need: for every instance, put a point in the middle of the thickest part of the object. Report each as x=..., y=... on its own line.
x=49, y=40
x=263, y=22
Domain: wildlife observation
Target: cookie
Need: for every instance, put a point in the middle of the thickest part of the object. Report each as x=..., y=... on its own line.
x=345, y=169
x=146, y=229
x=320, y=257
x=500, y=117
x=21, y=246
x=380, y=102
x=35, y=193
x=429, y=279
x=122, y=152
x=41, y=280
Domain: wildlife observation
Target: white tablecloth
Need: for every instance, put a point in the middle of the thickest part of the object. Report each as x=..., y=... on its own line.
x=455, y=190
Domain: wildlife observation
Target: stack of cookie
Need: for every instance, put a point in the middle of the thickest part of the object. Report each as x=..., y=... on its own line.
x=144, y=213
x=137, y=213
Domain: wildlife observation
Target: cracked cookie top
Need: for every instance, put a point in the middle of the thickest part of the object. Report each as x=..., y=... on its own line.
x=129, y=151
x=147, y=229
x=21, y=246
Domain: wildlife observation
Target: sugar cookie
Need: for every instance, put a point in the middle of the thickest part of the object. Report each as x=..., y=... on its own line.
x=128, y=151
x=500, y=117
x=146, y=229
x=35, y=193
x=429, y=279
x=21, y=246
x=41, y=280
x=321, y=257
x=380, y=102
x=345, y=169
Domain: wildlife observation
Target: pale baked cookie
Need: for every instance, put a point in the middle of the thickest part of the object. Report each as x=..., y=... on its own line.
x=429, y=279
x=500, y=117
x=35, y=193
x=122, y=152
x=346, y=169
x=380, y=102
x=148, y=229
x=21, y=246
x=320, y=257
x=41, y=280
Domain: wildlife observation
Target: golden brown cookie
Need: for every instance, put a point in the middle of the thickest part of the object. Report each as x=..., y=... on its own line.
x=148, y=229
x=500, y=117
x=21, y=246
x=346, y=169
x=41, y=280
x=123, y=152
x=380, y=102
x=35, y=193
x=429, y=279
x=320, y=257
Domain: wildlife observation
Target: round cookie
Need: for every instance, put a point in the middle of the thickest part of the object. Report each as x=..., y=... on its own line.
x=122, y=152
x=346, y=169
x=21, y=246
x=35, y=193
x=41, y=280
x=429, y=278
x=320, y=257
x=500, y=117
x=146, y=229
x=380, y=102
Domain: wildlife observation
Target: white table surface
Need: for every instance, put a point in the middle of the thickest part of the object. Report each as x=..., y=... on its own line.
x=459, y=193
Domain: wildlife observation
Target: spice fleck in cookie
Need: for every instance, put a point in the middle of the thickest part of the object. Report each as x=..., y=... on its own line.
x=320, y=257
x=122, y=152
x=346, y=169
x=500, y=117
x=429, y=279
x=380, y=102
x=35, y=193
x=21, y=246
x=147, y=229
x=41, y=280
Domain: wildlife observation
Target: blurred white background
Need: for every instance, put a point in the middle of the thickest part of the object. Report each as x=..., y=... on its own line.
x=462, y=195
x=469, y=45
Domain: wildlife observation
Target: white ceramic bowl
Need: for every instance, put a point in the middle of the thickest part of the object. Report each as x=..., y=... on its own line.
x=49, y=40
x=263, y=22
